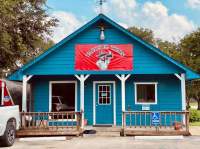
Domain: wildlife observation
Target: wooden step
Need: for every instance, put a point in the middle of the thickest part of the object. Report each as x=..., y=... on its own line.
x=102, y=131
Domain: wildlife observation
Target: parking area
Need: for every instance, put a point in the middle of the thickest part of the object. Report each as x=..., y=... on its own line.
x=192, y=142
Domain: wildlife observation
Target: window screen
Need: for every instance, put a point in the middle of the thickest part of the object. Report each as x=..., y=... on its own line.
x=104, y=92
x=145, y=93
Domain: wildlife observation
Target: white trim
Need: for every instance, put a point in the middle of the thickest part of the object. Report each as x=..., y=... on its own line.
x=156, y=93
x=123, y=79
x=24, y=94
x=2, y=92
x=110, y=97
x=59, y=82
x=114, y=102
x=94, y=100
x=82, y=79
x=178, y=76
x=183, y=91
x=94, y=104
x=29, y=77
x=24, y=91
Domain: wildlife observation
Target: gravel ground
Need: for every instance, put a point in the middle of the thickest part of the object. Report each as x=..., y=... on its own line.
x=192, y=142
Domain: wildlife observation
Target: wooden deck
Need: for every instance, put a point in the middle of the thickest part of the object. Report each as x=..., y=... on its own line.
x=139, y=123
x=153, y=132
x=49, y=132
x=50, y=124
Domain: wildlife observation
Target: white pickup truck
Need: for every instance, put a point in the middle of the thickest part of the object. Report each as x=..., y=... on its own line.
x=9, y=123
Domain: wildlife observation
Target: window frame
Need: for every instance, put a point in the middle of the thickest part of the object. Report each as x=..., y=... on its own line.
x=105, y=104
x=146, y=83
x=50, y=97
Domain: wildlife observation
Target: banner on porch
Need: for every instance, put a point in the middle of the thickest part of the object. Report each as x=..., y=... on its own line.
x=104, y=57
x=6, y=99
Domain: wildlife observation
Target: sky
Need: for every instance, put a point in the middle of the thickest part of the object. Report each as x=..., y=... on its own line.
x=170, y=20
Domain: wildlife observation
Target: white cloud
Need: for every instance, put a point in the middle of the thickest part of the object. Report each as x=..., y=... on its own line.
x=153, y=15
x=66, y=25
x=125, y=9
x=169, y=27
x=194, y=3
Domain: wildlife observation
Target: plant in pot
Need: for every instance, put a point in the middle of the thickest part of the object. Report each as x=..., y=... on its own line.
x=177, y=125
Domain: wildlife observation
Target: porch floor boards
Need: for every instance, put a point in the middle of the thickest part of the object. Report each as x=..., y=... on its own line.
x=102, y=131
x=48, y=132
x=153, y=132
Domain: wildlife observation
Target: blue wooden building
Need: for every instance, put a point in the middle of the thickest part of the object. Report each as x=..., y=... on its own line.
x=62, y=81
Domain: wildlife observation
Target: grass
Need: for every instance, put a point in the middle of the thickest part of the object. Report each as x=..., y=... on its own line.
x=195, y=124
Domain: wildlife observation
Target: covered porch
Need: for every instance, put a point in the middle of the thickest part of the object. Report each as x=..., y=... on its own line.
x=40, y=121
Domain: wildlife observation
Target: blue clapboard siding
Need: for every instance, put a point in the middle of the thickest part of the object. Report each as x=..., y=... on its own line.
x=62, y=60
x=41, y=96
x=169, y=92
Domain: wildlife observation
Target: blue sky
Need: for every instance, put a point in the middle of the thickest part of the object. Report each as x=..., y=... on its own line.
x=169, y=19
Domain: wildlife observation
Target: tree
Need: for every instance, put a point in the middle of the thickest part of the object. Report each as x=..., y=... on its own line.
x=190, y=46
x=170, y=48
x=144, y=33
x=186, y=52
x=24, y=24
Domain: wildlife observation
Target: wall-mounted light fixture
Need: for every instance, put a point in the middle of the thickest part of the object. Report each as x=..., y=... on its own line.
x=102, y=35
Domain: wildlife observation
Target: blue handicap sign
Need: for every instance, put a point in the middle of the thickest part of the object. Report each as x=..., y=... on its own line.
x=155, y=118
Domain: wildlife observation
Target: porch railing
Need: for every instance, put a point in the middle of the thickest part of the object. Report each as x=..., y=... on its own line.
x=50, y=120
x=167, y=119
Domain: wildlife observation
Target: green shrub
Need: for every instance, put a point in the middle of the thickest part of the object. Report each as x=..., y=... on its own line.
x=194, y=115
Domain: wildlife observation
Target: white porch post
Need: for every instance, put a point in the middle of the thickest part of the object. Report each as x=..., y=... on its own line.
x=82, y=79
x=24, y=92
x=123, y=79
x=183, y=91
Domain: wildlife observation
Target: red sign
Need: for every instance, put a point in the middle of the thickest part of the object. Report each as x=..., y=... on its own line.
x=104, y=57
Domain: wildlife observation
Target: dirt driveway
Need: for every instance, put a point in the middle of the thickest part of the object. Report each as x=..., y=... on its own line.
x=192, y=142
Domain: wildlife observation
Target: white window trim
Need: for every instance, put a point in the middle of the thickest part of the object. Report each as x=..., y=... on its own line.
x=156, y=93
x=103, y=104
x=50, y=95
x=94, y=100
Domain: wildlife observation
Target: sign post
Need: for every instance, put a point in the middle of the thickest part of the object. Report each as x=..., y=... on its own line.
x=155, y=117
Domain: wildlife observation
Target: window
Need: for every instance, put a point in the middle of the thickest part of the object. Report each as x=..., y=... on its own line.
x=146, y=93
x=63, y=97
x=104, y=96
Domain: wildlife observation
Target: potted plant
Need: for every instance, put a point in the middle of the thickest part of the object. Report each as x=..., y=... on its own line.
x=177, y=125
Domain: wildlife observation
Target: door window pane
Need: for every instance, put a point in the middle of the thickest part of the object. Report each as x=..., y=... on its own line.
x=104, y=94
